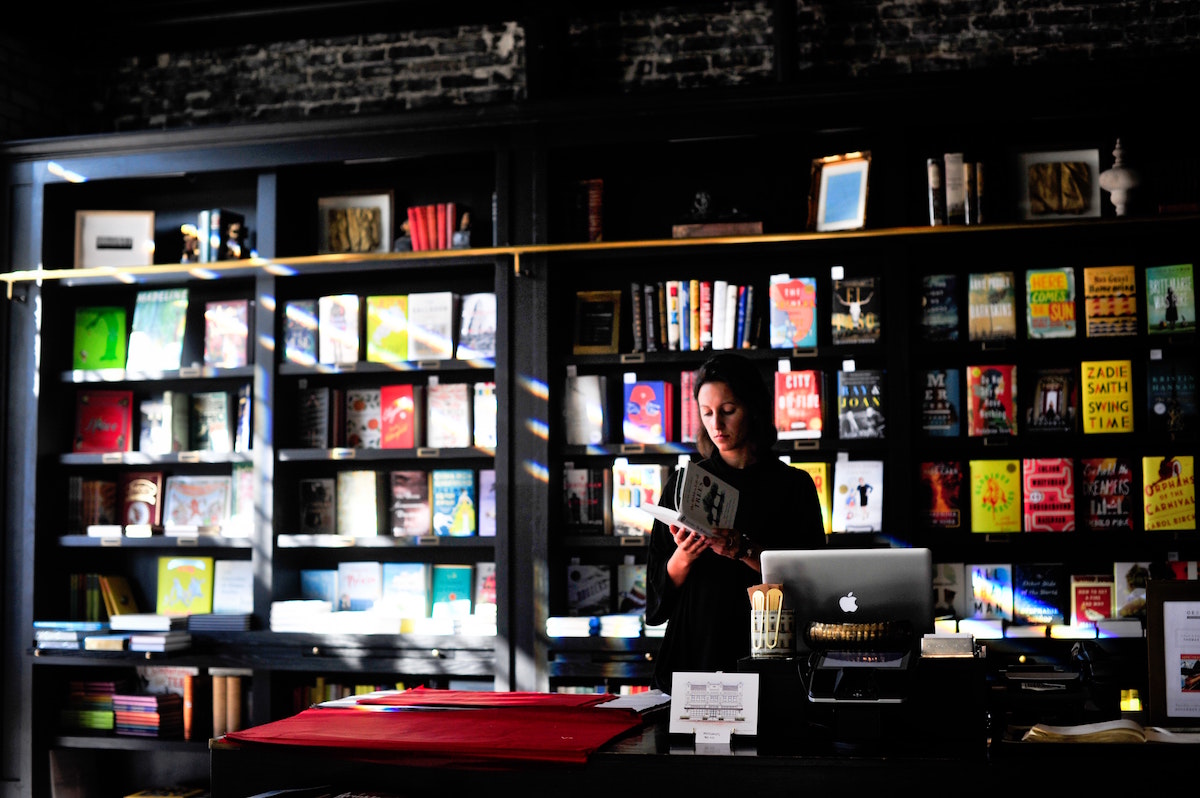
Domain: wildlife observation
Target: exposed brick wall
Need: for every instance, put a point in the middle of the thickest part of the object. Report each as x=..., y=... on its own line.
x=695, y=46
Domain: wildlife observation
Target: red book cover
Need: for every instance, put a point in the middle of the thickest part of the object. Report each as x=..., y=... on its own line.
x=429, y=214
x=141, y=498
x=441, y=226
x=689, y=414
x=941, y=493
x=706, y=314
x=798, y=404
x=991, y=400
x=400, y=416
x=103, y=421
x=648, y=412
x=1092, y=598
x=1048, y=491
x=451, y=222
x=415, y=228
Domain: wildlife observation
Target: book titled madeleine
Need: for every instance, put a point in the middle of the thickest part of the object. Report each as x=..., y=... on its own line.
x=703, y=502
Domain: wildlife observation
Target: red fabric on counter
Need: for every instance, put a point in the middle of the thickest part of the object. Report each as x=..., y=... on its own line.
x=430, y=697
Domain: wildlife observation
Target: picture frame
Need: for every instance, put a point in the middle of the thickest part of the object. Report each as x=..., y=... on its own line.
x=1173, y=642
x=114, y=239
x=838, y=197
x=1041, y=198
x=597, y=322
x=355, y=224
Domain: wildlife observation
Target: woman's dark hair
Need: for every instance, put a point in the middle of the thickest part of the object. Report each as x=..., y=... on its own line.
x=747, y=384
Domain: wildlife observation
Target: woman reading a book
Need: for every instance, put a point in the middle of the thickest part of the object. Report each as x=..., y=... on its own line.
x=699, y=584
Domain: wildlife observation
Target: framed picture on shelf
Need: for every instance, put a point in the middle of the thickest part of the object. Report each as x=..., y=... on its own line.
x=1173, y=638
x=114, y=238
x=597, y=322
x=355, y=224
x=1061, y=184
x=838, y=199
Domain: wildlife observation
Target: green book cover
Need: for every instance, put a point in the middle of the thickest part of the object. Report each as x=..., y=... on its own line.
x=156, y=339
x=100, y=338
x=387, y=328
x=1170, y=299
x=450, y=591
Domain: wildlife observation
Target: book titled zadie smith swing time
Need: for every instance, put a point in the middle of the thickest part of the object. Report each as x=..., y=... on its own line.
x=703, y=502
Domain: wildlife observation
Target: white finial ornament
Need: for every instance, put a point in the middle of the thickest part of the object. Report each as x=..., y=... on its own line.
x=1119, y=180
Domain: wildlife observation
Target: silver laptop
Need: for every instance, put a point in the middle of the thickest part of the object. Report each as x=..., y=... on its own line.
x=854, y=586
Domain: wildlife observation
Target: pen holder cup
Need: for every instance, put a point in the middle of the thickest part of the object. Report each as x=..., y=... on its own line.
x=772, y=633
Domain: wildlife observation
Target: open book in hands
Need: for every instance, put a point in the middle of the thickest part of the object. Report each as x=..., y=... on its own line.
x=703, y=500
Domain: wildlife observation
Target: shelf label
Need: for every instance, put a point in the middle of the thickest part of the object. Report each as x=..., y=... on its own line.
x=342, y=454
x=190, y=373
x=112, y=458
x=633, y=357
x=426, y=451
x=189, y=457
x=633, y=448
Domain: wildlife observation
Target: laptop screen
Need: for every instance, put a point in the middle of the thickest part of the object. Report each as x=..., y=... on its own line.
x=855, y=598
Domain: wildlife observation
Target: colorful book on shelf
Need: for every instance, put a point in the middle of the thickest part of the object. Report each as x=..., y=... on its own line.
x=1048, y=494
x=92, y=503
x=406, y=588
x=141, y=498
x=363, y=418
x=337, y=328
x=689, y=412
x=484, y=415
x=589, y=589
x=858, y=496
x=196, y=503
x=1110, y=301
x=1040, y=593
x=1093, y=598
x=118, y=595
x=797, y=404
x=585, y=409
x=1168, y=492
x=101, y=337
x=648, y=411
x=705, y=315
x=1107, y=486
x=319, y=584
x=587, y=497
x=233, y=587
x=387, y=328
x=1050, y=302
x=635, y=485
x=477, y=330
x=995, y=495
x=486, y=512
x=1051, y=406
x=103, y=420
x=861, y=405
x=992, y=399
x=357, y=503
x=185, y=585
x=1171, y=397
x=941, y=402
x=448, y=421
x=991, y=306
x=792, y=312
x=1170, y=299
x=454, y=502
x=939, y=307
x=637, y=316
x=450, y=590
x=156, y=336
x=941, y=497
x=410, y=506
x=1106, y=399
x=227, y=333
x=401, y=416
x=360, y=584
x=210, y=422
x=857, y=310
x=317, y=506
x=950, y=590
x=1130, y=582
x=300, y=337
x=991, y=591
x=671, y=292
x=433, y=318
x=820, y=473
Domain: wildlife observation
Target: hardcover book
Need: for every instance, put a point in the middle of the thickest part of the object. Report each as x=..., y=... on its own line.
x=1110, y=301
x=1130, y=581
x=196, y=503
x=1048, y=494
x=450, y=590
x=1107, y=397
x=1050, y=302
x=101, y=338
x=210, y=422
x=633, y=486
x=1051, y=406
x=797, y=404
x=860, y=404
x=1107, y=485
x=360, y=584
x=185, y=585
x=1170, y=299
x=118, y=594
x=401, y=416
x=793, y=312
x=483, y=593
x=406, y=588
x=411, y=510
x=585, y=409
x=941, y=499
x=357, y=503
x=97, y=502
x=477, y=330
x=941, y=402
x=950, y=590
x=1171, y=397
x=703, y=502
x=484, y=415
x=857, y=306
x=1040, y=593
x=387, y=328
x=991, y=306
x=689, y=412
x=1169, y=492
x=587, y=497
x=858, y=496
x=1093, y=598
x=103, y=420
x=432, y=321
x=995, y=496
x=452, y=493
x=227, y=333
x=819, y=471
x=939, y=307
x=156, y=337
x=300, y=340
x=649, y=412
x=318, y=503
x=448, y=423
x=141, y=498
x=991, y=591
x=233, y=587
x=991, y=400
x=589, y=589
x=313, y=417
x=337, y=328
x=486, y=516
x=364, y=422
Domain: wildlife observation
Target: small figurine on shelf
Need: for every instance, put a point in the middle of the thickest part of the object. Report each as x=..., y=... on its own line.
x=462, y=236
x=1119, y=180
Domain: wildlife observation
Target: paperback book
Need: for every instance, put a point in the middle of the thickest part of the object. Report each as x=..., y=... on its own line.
x=337, y=328
x=991, y=306
x=477, y=332
x=227, y=333
x=1051, y=406
x=648, y=411
x=314, y=413
x=156, y=336
x=450, y=590
x=401, y=416
x=585, y=409
x=484, y=415
x=941, y=493
x=1048, y=494
x=991, y=591
x=797, y=404
x=411, y=507
x=950, y=590
x=1040, y=593
x=1107, y=398
x=141, y=498
x=454, y=502
x=1050, y=302
x=793, y=312
x=300, y=339
x=1171, y=397
x=406, y=588
x=360, y=584
x=1170, y=299
x=703, y=502
x=100, y=338
x=1093, y=598
x=448, y=423
x=387, y=328
x=941, y=402
x=1110, y=301
x=356, y=505
x=364, y=421
x=209, y=422
x=589, y=589
x=995, y=496
x=1168, y=492
x=486, y=513
x=860, y=404
x=432, y=321
x=185, y=585
x=939, y=307
x=857, y=310
x=587, y=499
x=1130, y=580
x=318, y=503
x=1107, y=485
x=858, y=496
x=635, y=485
x=991, y=400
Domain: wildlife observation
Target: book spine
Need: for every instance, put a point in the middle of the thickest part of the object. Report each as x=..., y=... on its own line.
x=955, y=190
x=730, y=337
x=660, y=303
x=638, y=319
x=650, y=309
x=706, y=313
x=970, y=194
x=220, y=705
x=739, y=334
x=694, y=315
x=748, y=336
x=672, y=292
x=937, y=193
x=718, y=313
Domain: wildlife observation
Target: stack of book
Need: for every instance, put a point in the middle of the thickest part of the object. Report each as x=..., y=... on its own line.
x=147, y=715
x=148, y=622
x=159, y=642
x=65, y=635
x=89, y=704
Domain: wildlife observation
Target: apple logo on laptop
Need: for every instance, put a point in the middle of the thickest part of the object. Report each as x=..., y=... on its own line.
x=848, y=602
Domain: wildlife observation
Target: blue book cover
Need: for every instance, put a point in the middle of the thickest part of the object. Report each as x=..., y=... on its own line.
x=648, y=412
x=793, y=312
x=406, y=588
x=454, y=502
x=320, y=584
x=939, y=307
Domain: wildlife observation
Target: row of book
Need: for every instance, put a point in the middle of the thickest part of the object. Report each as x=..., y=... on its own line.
x=440, y=502
x=595, y=589
x=103, y=338
x=143, y=503
x=691, y=315
x=956, y=190
x=404, y=589
x=168, y=423
x=186, y=585
x=392, y=328
x=433, y=226
x=438, y=415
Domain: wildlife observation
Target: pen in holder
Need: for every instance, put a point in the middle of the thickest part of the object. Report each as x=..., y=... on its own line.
x=772, y=628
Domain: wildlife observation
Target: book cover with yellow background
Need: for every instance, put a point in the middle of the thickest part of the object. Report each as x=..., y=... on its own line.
x=1169, y=492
